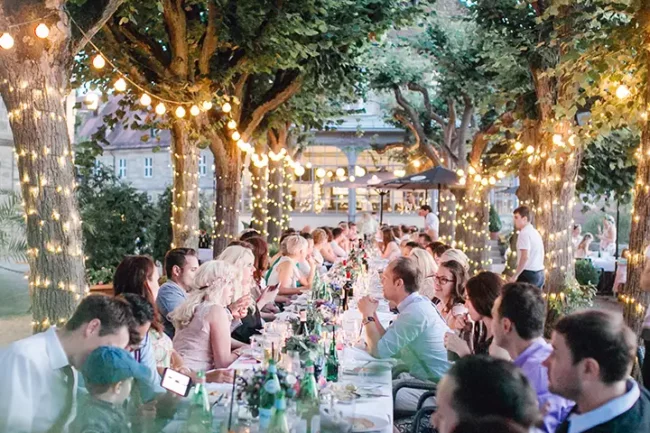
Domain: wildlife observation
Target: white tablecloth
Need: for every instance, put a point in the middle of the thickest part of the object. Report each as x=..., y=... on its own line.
x=607, y=264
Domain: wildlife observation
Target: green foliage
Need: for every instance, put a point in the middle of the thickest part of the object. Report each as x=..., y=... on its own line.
x=116, y=218
x=594, y=222
x=586, y=273
x=608, y=167
x=573, y=297
x=162, y=228
x=100, y=276
x=13, y=244
x=495, y=220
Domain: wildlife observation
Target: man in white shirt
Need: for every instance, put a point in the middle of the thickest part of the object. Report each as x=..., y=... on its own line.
x=431, y=222
x=593, y=354
x=416, y=336
x=530, y=250
x=37, y=377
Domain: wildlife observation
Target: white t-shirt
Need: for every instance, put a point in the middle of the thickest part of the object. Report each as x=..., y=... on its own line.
x=431, y=222
x=530, y=239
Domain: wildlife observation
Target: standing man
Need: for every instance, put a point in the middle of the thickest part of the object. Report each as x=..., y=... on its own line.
x=518, y=317
x=593, y=354
x=181, y=265
x=530, y=251
x=38, y=377
x=416, y=337
x=431, y=222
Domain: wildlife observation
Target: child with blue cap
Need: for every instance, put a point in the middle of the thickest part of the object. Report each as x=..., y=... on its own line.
x=108, y=373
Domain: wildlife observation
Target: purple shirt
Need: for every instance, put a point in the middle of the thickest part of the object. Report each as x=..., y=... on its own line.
x=530, y=361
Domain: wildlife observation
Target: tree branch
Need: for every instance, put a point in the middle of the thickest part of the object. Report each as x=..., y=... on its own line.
x=480, y=140
x=210, y=41
x=421, y=141
x=461, y=135
x=427, y=103
x=152, y=54
x=176, y=24
x=108, y=12
x=280, y=92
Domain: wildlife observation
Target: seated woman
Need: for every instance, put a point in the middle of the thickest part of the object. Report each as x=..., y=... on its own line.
x=482, y=290
x=583, y=247
x=449, y=289
x=338, y=243
x=390, y=246
x=243, y=259
x=323, y=253
x=428, y=268
x=203, y=320
x=304, y=266
x=285, y=274
x=260, y=250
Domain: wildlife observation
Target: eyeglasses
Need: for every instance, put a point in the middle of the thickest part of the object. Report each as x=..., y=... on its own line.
x=442, y=280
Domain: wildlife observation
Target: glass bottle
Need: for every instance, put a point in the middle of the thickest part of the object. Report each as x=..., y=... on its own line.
x=268, y=394
x=302, y=329
x=279, y=423
x=199, y=419
x=332, y=363
x=308, y=402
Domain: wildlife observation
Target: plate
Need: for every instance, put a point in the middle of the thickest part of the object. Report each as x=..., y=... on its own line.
x=367, y=423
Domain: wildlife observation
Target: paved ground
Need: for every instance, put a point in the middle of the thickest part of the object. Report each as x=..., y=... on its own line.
x=15, y=317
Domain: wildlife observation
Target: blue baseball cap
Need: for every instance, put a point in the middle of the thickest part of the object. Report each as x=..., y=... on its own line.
x=108, y=365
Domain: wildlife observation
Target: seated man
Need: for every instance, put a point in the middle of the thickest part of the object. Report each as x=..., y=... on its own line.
x=37, y=378
x=518, y=317
x=416, y=337
x=479, y=387
x=593, y=354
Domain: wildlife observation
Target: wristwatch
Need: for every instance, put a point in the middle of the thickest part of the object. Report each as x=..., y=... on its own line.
x=368, y=320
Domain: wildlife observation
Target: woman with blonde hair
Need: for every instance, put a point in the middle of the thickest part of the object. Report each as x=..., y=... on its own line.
x=203, y=319
x=428, y=268
x=322, y=249
x=285, y=273
x=243, y=259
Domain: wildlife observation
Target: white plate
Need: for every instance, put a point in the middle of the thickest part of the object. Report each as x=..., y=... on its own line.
x=378, y=423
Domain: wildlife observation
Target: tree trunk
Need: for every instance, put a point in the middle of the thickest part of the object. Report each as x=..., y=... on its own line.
x=276, y=200
x=227, y=172
x=34, y=93
x=287, y=208
x=472, y=226
x=635, y=300
x=185, y=192
x=259, y=193
x=447, y=207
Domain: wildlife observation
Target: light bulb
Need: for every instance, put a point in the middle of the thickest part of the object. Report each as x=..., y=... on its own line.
x=518, y=146
x=160, y=109
x=6, y=41
x=300, y=170
x=308, y=165
x=145, y=100
x=180, y=112
x=352, y=178
x=194, y=110
x=623, y=92
x=91, y=100
x=501, y=174
x=232, y=124
x=207, y=105
x=236, y=135
x=320, y=172
x=484, y=181
x=530, y=149
x=417, y=163
x=226, y=108
x=99, y=62
x=340, y=172
x=120, y=85
x=359, y=171
x=492, y=180
x=399, y=172
x=460, y=172
x=42, y=31
x=330, y=173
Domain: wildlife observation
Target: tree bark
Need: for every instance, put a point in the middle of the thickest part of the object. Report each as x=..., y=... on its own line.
x=185, y=192
x=447, y=207
x=636, y=300
x=472, y=226
x=259, y=193
x=275, y=189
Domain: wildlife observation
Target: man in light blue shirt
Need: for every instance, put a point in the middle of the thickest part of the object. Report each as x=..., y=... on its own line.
x=181, y=265
x=416, y=337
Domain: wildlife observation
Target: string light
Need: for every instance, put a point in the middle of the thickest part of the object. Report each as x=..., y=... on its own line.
x=99, y=62
x=180, y=112
x=120, y=85
x=207, y=105
x=160, y=109
x=236, y=136
x=623, y=92
x=42, y=31
x=6, y=41
x=232, y=124
x=145, y=100
x=226, y=107
x=195, y=110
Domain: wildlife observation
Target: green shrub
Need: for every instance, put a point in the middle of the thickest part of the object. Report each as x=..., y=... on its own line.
x=495, y=220
x=586, y=273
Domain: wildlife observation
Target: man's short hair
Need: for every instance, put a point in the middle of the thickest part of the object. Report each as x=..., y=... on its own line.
x=351, y=225
x=426, y=207
x=523, y=212
x=524, y=305
x=411, y=244
x=426, y=237
x=406, y=269
x=489, y=424
x=336, y=232
x=113, y=313
x=486, y=386
x=603, y=336
x=176, y=257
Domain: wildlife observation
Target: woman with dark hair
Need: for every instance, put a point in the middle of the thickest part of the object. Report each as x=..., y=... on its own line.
x=481, y=292
x=390, y=244
x=138, y=275
x=261, y=252
x=449, y=289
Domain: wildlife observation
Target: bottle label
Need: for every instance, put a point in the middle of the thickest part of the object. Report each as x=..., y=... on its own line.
x=303, y=316
x=272, y=386
x=265, y=418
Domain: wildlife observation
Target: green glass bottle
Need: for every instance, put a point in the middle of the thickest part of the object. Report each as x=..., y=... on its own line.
x=279, y=423
x=332, y=363
x=308, y=402
x=199, y=419
x=268, y=395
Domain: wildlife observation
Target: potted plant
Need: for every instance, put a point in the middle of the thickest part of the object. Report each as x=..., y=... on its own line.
x=495, y=224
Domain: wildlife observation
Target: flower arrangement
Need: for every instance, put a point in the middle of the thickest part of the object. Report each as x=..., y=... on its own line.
x=249, y=387
x=308, y=346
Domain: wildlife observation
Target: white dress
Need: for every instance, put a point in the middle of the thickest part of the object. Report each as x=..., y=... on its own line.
x=274, y=276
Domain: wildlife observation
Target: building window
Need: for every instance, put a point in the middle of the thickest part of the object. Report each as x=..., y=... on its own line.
x=148, y=167
x=121, y=173
x=203, y=165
